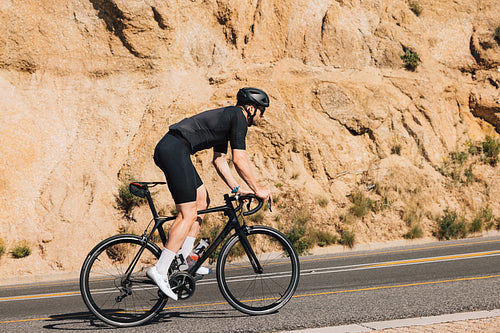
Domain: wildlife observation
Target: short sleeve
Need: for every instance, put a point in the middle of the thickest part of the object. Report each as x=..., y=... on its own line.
x=222, y=148
x=238, y=131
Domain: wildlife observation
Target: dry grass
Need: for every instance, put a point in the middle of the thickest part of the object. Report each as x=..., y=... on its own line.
x=117, y=253
x=21, y=250
x=415, y=7
x=2, y=247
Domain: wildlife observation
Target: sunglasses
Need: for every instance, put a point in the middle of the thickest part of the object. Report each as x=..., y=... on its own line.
x=261, y=109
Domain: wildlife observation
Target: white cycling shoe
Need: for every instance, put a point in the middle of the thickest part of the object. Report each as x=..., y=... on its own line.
x=161, y=281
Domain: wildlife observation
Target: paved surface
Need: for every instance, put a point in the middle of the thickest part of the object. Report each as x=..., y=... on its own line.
x=370, y=287
x=480, y=321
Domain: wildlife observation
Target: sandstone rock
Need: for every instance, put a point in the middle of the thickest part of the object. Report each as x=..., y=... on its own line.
x=87, y=88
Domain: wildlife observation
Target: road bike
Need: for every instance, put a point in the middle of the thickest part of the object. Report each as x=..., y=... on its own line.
x=257, y=268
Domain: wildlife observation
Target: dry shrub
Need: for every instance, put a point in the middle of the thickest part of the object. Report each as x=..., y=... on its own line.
x=117, y=253
x=2, y=247
x=450, y=226
x=21, y=250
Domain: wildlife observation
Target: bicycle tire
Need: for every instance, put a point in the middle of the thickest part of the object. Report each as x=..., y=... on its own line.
x=258, y=293
x=103, y=287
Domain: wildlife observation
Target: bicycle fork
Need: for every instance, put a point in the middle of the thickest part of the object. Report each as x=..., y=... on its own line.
x=242, y=234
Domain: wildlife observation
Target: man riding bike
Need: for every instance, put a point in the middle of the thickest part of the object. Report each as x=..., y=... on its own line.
x=210, y=129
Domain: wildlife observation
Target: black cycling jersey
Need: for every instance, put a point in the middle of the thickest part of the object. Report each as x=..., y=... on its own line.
x=214, y=128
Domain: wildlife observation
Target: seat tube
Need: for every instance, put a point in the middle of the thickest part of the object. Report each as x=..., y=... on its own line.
x=151, y=204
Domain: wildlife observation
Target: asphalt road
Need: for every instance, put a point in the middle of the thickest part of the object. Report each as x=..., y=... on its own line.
x=336, y=289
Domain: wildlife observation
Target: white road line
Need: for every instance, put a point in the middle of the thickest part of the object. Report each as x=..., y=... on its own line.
x=324, y=270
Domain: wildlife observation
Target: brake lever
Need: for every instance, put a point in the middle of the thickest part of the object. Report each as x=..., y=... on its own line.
x=248, y=204
x=269, y=205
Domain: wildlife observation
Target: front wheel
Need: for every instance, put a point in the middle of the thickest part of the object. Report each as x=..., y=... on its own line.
x=114, y=285
x=264, y=292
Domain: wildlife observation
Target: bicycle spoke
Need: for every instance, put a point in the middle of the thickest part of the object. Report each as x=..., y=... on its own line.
x=111, y=295
x=258, y=293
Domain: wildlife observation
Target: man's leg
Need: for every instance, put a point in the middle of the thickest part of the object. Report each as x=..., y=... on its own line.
x=202, y=202
x=182, y=226
x=176, y=236
x=187, y=224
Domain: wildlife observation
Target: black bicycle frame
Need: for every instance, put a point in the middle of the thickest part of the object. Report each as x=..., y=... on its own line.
x=233, y=224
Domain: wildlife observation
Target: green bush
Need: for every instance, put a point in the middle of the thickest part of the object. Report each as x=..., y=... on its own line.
x=2, y=247
x=457, y=168
x=21, y=250
x=491, y=149
x=348, y=238
x=473, y=148
x=322, y=238
x=296, y=236
x=476, y=224
x=450, y=226
x=361, y=204
x=413, y=217
x=484, y=219
x=415, y=7
x=469, y=175
x=415, y=231
x=411, y=60
x=304, y=238
x=126, y=201
x=487, y=216
x=297, y=232
x=459, y=157
x=497, y=34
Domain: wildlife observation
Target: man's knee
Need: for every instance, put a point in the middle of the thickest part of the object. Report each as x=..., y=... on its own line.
x=188, y=213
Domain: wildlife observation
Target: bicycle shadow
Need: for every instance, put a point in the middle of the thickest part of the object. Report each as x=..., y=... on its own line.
x=85, y=321
x=200, y=314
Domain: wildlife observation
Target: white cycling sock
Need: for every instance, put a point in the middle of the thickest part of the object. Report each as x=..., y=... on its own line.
x=187, y=246
x=164, y=262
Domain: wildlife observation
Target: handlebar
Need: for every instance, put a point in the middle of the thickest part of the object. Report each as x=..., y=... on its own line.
x=248, y=197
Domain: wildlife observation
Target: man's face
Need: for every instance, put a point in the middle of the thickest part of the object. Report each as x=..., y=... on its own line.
x=259, y=114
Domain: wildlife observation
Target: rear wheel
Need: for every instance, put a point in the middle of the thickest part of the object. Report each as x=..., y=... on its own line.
x=263, y=292
x=113, y=296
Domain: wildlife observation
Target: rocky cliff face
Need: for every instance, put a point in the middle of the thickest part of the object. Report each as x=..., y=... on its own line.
x=88, y=87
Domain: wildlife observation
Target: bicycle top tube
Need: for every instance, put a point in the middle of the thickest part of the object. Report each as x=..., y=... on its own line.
x=141, y=189
x=241, y=199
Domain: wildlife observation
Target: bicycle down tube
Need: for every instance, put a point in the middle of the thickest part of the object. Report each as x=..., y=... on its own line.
x=233, y=224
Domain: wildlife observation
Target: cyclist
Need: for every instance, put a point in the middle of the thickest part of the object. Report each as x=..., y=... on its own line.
x=210, y=129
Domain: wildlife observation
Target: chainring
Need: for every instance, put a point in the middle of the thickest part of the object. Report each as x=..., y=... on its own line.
x=183, y=284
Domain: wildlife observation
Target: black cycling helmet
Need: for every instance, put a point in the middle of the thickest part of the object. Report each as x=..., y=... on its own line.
x=252, y=96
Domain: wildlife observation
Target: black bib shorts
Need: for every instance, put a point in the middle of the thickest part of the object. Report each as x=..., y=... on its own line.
x=173, y=157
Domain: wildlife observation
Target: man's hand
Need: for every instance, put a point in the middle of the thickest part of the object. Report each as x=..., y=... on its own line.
x=263, y=194
x=242, y=191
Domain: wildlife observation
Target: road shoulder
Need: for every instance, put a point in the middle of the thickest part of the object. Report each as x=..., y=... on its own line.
x=484, y=321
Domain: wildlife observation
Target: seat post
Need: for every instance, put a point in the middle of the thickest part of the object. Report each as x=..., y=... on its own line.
x=151, y=204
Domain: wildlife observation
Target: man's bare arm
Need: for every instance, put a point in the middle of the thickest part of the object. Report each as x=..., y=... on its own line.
x=243, y=167
x=222, y=167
